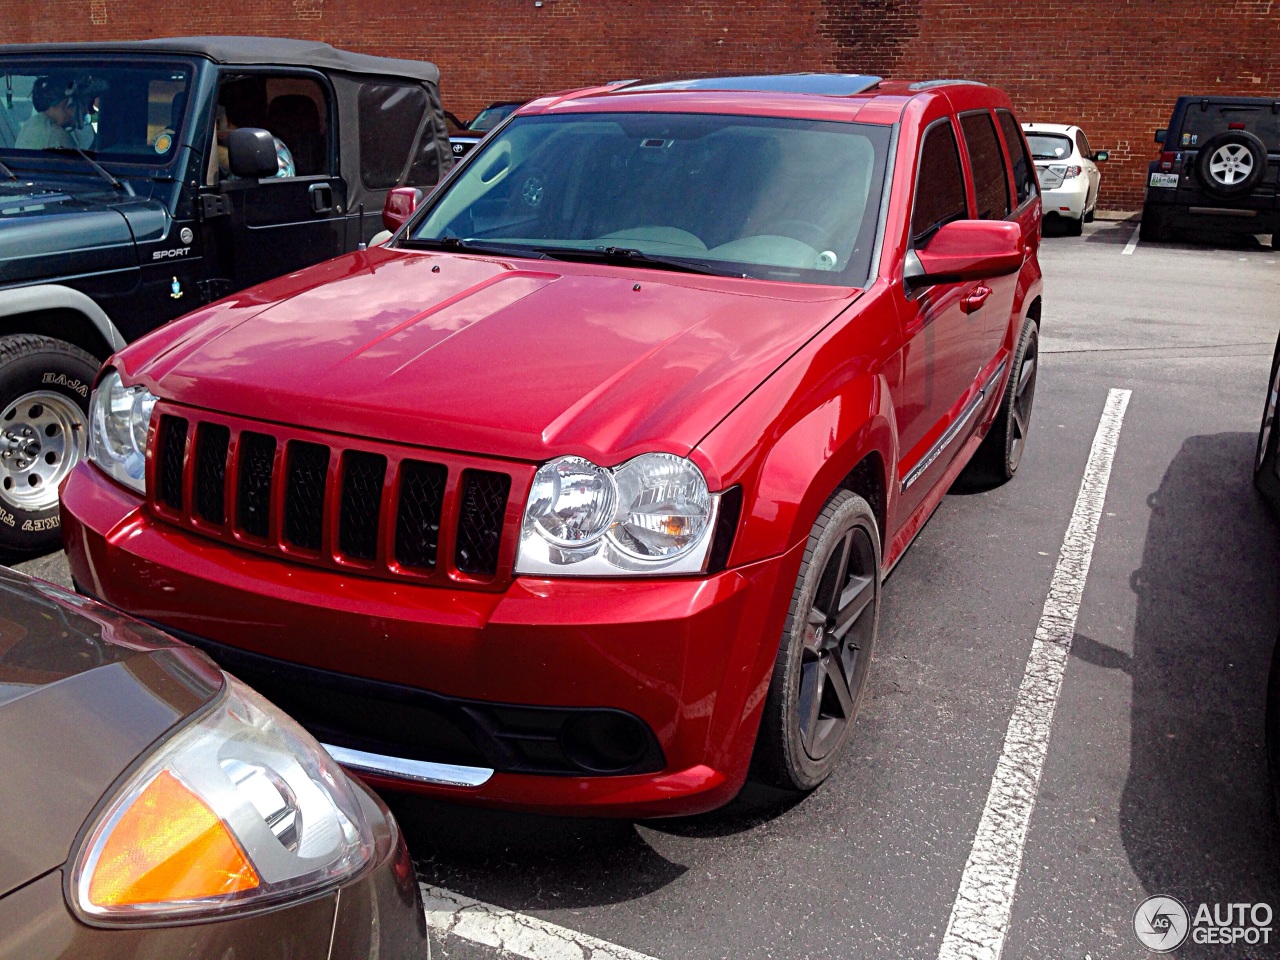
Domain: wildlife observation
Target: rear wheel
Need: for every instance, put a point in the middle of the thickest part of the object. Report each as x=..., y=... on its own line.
x=997, y=459
x=1155, y=224
x=44, y=402
x=1075, y=227
x=821, y=669
x=1265, y=477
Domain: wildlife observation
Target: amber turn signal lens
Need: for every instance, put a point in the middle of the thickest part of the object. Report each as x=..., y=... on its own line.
x=169, y=846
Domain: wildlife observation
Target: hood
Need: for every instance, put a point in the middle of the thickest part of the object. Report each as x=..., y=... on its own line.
x=83, y=693
x=515, y=359
x=59, y=228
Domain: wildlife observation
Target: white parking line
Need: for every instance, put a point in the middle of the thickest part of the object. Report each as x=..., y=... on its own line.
x=514, y=933
x=980, y=915
x=1132, y=244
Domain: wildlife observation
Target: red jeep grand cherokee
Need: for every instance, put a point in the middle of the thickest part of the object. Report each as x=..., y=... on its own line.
x=578, y=495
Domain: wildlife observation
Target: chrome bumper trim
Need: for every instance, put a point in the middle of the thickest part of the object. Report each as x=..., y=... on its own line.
x=422, y=771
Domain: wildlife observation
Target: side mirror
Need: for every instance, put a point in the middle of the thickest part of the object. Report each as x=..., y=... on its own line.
x=1161, y=134
x=966, y=250
x=251, y=154
x=399, y=206
x=1101, y=156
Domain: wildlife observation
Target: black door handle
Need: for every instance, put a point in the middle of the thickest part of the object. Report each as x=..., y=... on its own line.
x=321, y=195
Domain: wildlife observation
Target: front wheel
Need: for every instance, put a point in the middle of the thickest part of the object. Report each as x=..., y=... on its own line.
x=44, y=403
x=821, y=669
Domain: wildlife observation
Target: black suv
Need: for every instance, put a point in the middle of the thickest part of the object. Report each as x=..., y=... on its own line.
x=1218, y=168
x=141, y=180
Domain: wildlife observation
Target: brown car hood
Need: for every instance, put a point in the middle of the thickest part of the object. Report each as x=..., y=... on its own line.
x=83, y=693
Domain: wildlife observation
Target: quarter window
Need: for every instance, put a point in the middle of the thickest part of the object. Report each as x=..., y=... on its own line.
x=940, y=196
x=990, y=178
x=1024, y=177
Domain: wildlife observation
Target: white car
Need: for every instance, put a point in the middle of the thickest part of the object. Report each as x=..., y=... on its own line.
x=1068, y=172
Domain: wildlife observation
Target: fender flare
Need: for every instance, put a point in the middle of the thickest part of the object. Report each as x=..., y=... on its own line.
x=20, y=300
x=811, y=460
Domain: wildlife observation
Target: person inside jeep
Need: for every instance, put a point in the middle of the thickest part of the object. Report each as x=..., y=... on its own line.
x=243, y=103
x=54, y=108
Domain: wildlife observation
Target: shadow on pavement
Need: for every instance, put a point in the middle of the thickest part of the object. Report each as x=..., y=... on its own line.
x=1194, y=814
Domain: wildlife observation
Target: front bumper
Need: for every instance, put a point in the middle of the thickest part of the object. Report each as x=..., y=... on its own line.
x=376, y=914
x=690, y=658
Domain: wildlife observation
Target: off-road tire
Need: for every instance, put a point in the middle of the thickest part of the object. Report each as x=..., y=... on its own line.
x=34, y=364
x=780, y=756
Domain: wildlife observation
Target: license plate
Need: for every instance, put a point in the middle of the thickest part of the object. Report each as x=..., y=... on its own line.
x=1163, y=180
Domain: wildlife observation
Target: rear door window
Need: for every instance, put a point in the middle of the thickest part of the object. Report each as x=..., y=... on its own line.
x=390, y=116
x=1024, y=175
x=1082, y=142
x=1199, y=124
x=940, y=195
x=986, y=160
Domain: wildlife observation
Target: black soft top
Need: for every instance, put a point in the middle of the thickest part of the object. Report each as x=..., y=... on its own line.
x=247, y=51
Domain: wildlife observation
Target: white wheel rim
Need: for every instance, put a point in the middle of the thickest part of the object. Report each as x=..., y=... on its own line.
x=42, y=438
x=1231, y=163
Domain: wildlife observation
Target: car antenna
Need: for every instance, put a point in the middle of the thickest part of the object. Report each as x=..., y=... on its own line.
x=360, y=221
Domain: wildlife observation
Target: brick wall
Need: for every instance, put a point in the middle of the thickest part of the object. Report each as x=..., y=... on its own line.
x=1114, y=67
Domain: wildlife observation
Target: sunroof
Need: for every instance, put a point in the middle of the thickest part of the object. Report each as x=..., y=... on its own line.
x=822, y=84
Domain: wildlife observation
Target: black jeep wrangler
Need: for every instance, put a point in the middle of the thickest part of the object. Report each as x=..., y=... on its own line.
x=1218, y=169
x=141, y=180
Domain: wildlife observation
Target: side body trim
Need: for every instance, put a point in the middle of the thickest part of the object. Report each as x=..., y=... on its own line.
x=953, y=431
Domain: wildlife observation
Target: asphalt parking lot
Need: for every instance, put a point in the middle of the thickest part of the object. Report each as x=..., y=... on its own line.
x=1154, y=780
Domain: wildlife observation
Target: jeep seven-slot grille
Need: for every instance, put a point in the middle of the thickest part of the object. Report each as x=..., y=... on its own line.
x=325, y=500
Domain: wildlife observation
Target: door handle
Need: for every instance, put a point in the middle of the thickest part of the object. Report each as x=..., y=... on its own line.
x=321, y=195
x=975, y=300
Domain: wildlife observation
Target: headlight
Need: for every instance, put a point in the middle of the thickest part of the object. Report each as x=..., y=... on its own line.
x=118, y=420
x=239, y=810
x=653, y=514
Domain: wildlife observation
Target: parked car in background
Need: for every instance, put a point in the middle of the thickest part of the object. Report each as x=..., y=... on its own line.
x=1218, y=169
x=578, y=494
x=153, y=806
x=1068, y=171
x=135, y=205
x=475, y=131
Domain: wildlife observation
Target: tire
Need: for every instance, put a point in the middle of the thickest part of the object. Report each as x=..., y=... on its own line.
x=1075, y=228
x=997, y=459
x=1088, y=217
x=1273, y=729
x=820, y=672
x=1264, y=460
x=44, y=406
x=1154, y=227
x=1231, y=164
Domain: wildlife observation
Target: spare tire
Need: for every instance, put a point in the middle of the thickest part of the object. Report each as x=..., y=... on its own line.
x=1231, y=164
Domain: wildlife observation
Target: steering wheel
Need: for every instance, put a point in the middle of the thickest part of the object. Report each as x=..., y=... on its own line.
x=805, y=231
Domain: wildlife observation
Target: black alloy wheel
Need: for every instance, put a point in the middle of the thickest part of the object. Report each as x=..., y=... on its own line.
x=821, y=669
x=997, y=459
x=1265, y=476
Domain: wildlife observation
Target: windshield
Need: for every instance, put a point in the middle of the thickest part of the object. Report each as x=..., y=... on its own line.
x=777, y=199
x=1049, y=146
x=490, y=117
x=125, y=112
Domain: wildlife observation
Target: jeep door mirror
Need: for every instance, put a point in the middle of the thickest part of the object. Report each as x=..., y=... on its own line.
x=1101, y=156
x=1161, y=134
x=251, y=154
x=966, y=250
x=399, y=206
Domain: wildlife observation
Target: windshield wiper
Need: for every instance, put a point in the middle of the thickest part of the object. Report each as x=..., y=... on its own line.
x=629, y=255
x=98, y=168
x=473, y=246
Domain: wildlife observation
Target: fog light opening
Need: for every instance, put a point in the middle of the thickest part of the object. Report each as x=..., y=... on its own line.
x=604, y=741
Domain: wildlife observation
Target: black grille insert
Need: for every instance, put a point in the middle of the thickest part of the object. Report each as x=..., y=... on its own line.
x=480, y=517
x=362, y=478
x=212, y=440
x=257, y=462
x=418, y=514
x=304, y=494
x=173, y=450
